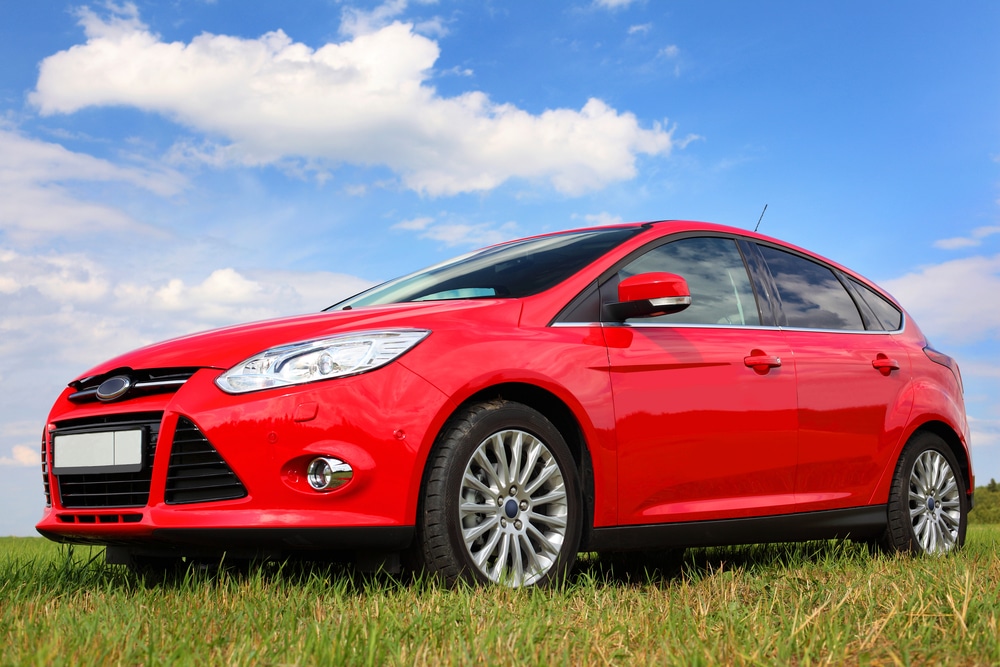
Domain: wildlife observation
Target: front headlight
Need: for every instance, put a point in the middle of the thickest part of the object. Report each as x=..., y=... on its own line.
x=320, y=359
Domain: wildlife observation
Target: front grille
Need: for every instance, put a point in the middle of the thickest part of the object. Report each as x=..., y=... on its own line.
x=119, y=489
x=143, y=383
x=197, y=473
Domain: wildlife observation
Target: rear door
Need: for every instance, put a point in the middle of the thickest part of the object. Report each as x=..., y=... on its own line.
x=704, y=399
x=852, y=376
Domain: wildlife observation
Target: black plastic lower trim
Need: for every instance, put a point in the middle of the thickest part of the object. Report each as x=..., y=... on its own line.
x=857, y=523
x=183, y=541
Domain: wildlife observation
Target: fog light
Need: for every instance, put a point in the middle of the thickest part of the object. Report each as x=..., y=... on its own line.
x=327, y=473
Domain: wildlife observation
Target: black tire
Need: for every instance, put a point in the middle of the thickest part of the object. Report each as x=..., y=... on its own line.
x=501, y=500
x=928, y=507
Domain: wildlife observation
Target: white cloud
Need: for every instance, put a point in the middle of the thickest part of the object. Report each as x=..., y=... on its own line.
x=65, y=279
x=613, y=4
x=226, y=296
x=355, y=22
x=21, y=456
x=640, y=29
x=414, y=224
x=971, y=241
x=459, y=233
x=670, y=51
x=69, y=309
x=364, y=101
x=986, y=432
x=37, y=203
x=953, y=300
x=602, y=218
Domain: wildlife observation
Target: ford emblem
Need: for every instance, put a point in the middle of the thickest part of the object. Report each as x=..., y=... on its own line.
x=114, y=387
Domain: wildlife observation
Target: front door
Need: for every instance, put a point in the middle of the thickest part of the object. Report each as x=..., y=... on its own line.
x=704, y=399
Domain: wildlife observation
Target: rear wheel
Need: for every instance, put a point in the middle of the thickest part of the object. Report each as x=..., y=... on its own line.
x=501, y=501
x=928, y=507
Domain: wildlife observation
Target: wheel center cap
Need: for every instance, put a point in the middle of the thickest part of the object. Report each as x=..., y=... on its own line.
x=930, y=504
x=510, y=508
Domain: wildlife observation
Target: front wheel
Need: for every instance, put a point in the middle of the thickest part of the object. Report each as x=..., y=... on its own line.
x=501, y=501
x=928, y=507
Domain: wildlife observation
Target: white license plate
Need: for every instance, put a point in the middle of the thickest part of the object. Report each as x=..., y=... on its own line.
x=110, y=451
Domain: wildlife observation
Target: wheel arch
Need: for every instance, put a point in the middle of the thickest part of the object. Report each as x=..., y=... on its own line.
x=954, y=442
x=951, y=438
x=565, y=421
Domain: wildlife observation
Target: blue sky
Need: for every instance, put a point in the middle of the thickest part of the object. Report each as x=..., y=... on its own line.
x=174, y=166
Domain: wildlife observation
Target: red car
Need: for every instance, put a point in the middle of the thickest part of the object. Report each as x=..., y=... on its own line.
x=620, y=388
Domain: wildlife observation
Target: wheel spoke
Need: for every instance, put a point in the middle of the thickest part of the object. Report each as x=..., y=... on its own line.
x=952, y=519
x=500, y=452
x=547, y=472
x=547, y=546
x=533, y=567
x=951, y=506
x=487, y=467
x=470, y=481
x=516, y=446
x=516, y=573
x=554, y=520
x=500, y=564
x=468, y=508
x=534, y=453
x=470, y=535
x=557, y=495
x=483, y=555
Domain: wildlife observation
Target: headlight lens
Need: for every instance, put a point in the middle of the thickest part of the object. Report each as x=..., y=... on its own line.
x=320, y=359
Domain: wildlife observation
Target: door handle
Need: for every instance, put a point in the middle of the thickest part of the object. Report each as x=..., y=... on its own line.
x=884, y=364
x=760, y=362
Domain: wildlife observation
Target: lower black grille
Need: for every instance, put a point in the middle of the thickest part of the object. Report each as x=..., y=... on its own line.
x=197, y=473
x=120, y=489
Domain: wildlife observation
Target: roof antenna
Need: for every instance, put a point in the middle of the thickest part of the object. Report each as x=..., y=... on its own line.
x=761, y=217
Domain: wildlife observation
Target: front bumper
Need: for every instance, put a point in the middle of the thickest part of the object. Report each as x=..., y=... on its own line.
x=230, y=471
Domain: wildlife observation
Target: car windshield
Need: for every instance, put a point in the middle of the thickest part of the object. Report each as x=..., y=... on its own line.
x=509, y=270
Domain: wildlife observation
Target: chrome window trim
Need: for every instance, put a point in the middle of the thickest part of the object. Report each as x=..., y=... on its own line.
x=689, y=325
x=684, y=325
x=854, y=332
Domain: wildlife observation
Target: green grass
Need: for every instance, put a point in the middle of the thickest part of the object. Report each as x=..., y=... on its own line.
x=818, y=603
x=987, y=509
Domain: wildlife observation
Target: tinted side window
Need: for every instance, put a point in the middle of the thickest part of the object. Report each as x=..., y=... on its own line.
x=811, y=295
x=888, y=315
x=715, y=273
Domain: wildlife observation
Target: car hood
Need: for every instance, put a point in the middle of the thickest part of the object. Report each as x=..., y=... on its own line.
x=224, y=348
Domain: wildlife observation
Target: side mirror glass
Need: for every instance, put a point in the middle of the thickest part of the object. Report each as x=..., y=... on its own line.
x=650, y=294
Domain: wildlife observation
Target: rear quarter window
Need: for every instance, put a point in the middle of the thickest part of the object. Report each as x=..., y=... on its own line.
x=885, y=311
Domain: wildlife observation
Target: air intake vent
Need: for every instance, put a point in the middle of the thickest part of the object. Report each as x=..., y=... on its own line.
x=45, y=469
x=119, y=489
x=197, y=474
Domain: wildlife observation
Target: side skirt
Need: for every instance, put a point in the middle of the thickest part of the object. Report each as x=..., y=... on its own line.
x=859, y=523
